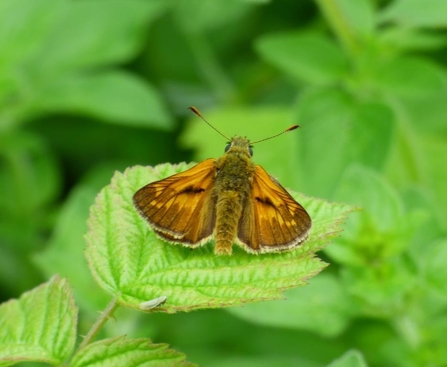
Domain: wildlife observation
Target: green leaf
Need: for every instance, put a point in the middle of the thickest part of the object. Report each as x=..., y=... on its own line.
x=96, y=33
x=39, y=326
x=64, y=253
x=113, y=96
x=411, y=77
x=129, y=262
x=65, y=38
x=351, y=358
x=28, y=173
x=411, y=39
x=433, y=122
x=435, y=150
x=374, y=239
x=436, y=330
x=416, y=13
x=30, y=177
x=208, y=15
x=381, y=230
x=380, y=283
x=24, y=26
x=359, y=15
x=322, y=307
x=433, y=265
x=117, y=352
x=337, y=131
x=308, y=57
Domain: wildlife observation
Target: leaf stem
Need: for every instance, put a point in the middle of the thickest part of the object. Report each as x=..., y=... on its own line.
x=210, y=68
x=339, y=25
x=97, y=326
x=408, y=330
x=411, y=147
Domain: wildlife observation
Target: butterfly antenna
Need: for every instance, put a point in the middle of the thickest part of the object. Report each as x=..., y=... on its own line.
x=197, y=112
x=293, y=127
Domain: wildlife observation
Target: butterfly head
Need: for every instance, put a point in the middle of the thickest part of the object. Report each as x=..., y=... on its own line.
x=239, y=145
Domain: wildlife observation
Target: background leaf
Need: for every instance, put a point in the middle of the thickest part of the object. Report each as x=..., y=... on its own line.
x=340, y=130
x=118, y=352
x=116, y=97
x=147, y=268
x=91, y=26
x=397, y=77
x=307, y=57
x=64, y=254
x=359, y=15
x=40, y=326
x=30, y=177
x=208, y=14
x=322, y=307
x=19, y=19
x=416, y=13
x=351, y=358
x=433, y=267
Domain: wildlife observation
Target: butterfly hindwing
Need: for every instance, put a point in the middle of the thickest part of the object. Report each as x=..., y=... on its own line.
x=271, y=220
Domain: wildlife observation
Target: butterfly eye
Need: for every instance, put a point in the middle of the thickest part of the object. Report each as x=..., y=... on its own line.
x=227, y=147
x=250, y=151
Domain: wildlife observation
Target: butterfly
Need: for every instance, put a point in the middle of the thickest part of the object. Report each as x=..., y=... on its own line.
x=230, y=199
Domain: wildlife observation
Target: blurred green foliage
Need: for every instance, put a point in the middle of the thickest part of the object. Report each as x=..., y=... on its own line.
x=92, y=86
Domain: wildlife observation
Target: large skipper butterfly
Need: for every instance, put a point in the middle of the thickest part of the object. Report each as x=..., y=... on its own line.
x=229, y=199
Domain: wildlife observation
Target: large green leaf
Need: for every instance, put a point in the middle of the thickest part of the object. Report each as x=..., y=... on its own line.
x=416, y=13
x=29, y=181
x=64, y=252
x=338, y=130
x=375, y=239
x=131, y=263
x=24, y=27
x=323, y=307
x=351, y=358
x=357, y=15
x=411, y=77
x=433, y=265
x=208, y=15
x=381, y=229
x=118, y=352
x=39, y=326
x=113, y=96
x=52, y=49
x=89, y=34
x=435, y=150
x=308, y=57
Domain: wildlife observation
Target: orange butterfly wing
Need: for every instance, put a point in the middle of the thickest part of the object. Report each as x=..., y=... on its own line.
x=180, y=208
x=271, y=220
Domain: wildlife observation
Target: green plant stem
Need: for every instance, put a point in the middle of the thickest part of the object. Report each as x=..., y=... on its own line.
x=97, y=326
x=412, y=150
x=214, y=74
x=339, y=25
x=408, y=330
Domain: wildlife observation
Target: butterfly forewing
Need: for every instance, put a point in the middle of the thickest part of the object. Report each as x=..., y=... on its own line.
x=181, y=208
x=272, y=220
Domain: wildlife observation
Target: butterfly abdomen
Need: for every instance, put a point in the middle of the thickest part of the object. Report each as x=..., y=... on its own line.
x=235, y=171
x=228, y=211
